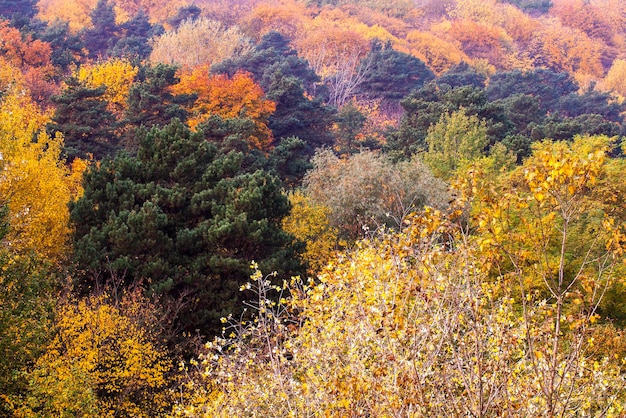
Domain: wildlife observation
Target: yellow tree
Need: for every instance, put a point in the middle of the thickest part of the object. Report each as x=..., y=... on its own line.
x=35, y=183
x=615, y=79
x=75, y=12
x=117, y=75
x=100, y=363
x=309, y=223
x=284, y=16
x=552, y=235
x=437, y=53
x=491, y=314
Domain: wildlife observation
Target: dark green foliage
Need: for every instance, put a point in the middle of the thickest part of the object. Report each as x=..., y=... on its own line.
x=520, y=145
x=67, y=49
x=392, y=74
x=425, y=106
x=288, y=161
x=592, y=102
x=286, y=78
x=18, y=9
x=462, y=75
x=532, y=7
x=184, y=219
x=150, y=102
x=561, y=129
x=547, y=86
x=134, y=38
x=272, y=55
x=86, y=123
x=104, y=33
x=26, y=311
x=523, y=110
x=296, y=115
x=350, y=122
x=191, y=12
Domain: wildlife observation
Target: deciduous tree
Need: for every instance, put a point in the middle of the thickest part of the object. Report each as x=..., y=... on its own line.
x=228, y=97
x=199, y=42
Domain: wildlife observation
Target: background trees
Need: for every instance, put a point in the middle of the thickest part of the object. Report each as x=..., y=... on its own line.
x=367, y=191
x=199, y=41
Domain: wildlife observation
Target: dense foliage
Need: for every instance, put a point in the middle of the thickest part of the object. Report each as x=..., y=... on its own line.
x=428, y=192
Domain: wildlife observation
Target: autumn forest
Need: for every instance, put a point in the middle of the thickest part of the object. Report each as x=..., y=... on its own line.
x=312, y=208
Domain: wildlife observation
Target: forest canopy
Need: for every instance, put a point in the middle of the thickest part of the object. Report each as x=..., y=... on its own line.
x=312, y=208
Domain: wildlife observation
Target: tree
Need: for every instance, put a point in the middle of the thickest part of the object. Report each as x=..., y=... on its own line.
x=74, y=12
x=439, y=55
x=439, y=321
x=83, y=118
x=190, y=12
x=393, y=74
x=552, y=231
x=26, y=316
x=454, y=141
x=424, y=108
x=32, y=57
x=482, y=41
x=67, y=48
x=184, y=220
x=289, y=82
x=546, y=86
x=532, y=7
x=116, y=76
x=18, y=9
x=150, y=101
x=309, y=223
x=462, y=75
x=35, y=184
x=566, y=49
x=199, y=42
x=228, y=97
x=104, y=33
x=134, y=39
x=336, y=54
x=100, y=362
x=614, y=80
x=367, y=191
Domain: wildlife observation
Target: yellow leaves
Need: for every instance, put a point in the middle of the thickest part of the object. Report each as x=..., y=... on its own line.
x=199, y=42
x=116, y=74
x=101, y=359
x=35, y=182
x=309, y=223
x=560, y=171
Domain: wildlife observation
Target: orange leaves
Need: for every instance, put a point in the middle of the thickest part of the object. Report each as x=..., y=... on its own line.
x=31, y=56
x=236, y=97
x=286, y=17
x=437, y=53
x=482, y=41
x=568, y=49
